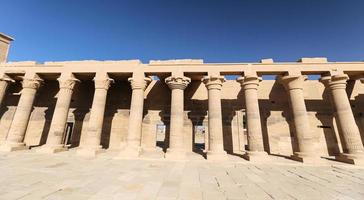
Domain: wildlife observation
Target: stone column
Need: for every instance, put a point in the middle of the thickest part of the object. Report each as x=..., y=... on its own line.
x=91, y=143
x=306, y=151
x=255, y=136
x=56, y=132
x=216, y=144
x=4, y=82
x=177, y=148
x=18, y=127
x=133, y=140
x=352, y=147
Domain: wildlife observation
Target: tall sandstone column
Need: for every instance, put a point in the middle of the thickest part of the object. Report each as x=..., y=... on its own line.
x=352, y=145
x=306, y=144
x=4, y=83
x=18, y=127
x=255, y=136
x=91, y=144
x=177, y=149
x=133, y=140
x=216, y=144
x=55, y=138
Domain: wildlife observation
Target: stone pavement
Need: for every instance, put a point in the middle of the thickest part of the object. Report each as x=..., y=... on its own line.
x=30, y=175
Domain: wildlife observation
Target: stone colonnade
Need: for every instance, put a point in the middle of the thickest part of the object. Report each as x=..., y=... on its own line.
x=353, y=151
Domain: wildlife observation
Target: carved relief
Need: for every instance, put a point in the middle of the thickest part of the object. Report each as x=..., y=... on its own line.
x=32, y=83
x=103, y=83
x=177, y=82
x=213, y=82
x=68, y=84
x=139, y=84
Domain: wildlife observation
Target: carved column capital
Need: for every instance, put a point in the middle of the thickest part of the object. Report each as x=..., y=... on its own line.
x=32, y=83
x=335, y=82
x=249, y=82
x=139, y=84
x=177, y=82
x=68, y=83
x=103, y=83
x=291, y=82
x=6, y=79
x=213, y=82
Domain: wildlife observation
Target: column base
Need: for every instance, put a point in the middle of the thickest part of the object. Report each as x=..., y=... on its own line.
x=307, y=158
x=89, y=151
x=9, y=147
x=256, y=156
x=355, y=159
x=216, y=155
x=175, y=154
x=130, y=152
x=156, y=152
x=49, y=149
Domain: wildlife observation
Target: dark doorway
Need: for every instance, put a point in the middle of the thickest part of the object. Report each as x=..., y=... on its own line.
x=69, y=130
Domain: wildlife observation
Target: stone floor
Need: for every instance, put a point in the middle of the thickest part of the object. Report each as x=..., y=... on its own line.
x=30, y=175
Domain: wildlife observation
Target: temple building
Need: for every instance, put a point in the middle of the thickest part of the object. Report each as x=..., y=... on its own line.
x=309, y=111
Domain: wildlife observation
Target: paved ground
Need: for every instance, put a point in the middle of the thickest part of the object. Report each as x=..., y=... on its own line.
x=28, y=175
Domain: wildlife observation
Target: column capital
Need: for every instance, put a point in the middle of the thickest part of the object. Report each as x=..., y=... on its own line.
x=6, y=78
x=32, y=83
x=139, y=84
x=213, y=82
x=177, y=82
x=67, y=83
x=291, y=82
x=103, y=83
x=335, y=82
x=249, y=82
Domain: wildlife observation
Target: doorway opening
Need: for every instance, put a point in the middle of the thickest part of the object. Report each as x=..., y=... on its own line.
x=67, y=141
x=161, y=136
x=199, y=138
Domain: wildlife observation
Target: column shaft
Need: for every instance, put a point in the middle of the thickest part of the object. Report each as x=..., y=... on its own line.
x=177, y=148
x=255, y=137
x=56, y=132
x=4, y=82
x=14, y=140
x=134, y=137
x=215, y=121
x=347, y=125
x=96, y=120
x=305, y=142
x=216, y=142
x=176, y=123
x=91, y=145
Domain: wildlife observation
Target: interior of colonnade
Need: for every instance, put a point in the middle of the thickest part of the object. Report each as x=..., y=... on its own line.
x=276, y=117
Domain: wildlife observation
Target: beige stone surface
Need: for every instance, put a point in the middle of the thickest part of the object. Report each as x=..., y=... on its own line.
x=30, y=175
x=5, y=41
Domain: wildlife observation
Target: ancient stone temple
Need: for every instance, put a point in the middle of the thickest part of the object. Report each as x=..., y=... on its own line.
x=307, y=110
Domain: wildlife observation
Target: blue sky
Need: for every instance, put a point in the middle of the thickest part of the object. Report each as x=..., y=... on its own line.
x=213, y=30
